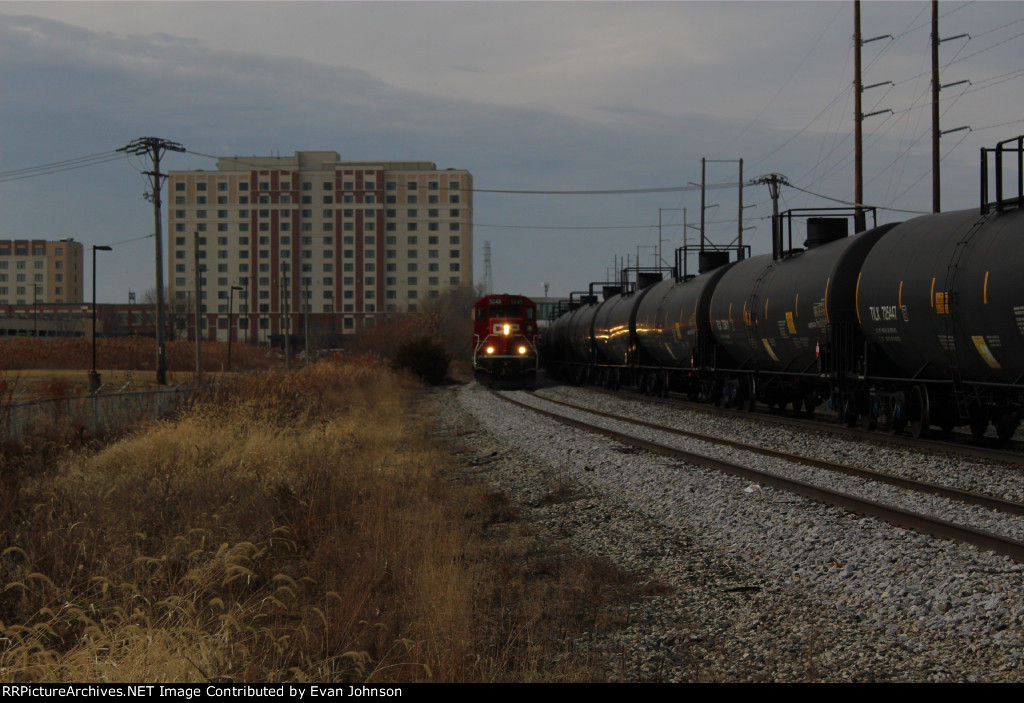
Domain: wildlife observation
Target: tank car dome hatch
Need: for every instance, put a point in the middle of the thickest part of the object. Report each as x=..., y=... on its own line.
x=711, y=260
x=646, y=279
x=610, y=291
x=822, y=230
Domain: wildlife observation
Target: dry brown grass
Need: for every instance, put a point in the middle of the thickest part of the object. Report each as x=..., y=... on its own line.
x=129, y=353
x=287, y=527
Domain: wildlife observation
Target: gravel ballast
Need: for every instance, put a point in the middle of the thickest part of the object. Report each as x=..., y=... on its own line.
x=759, y=585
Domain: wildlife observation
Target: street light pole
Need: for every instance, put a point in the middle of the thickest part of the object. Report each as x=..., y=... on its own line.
x=231, y=310
x=94, y=377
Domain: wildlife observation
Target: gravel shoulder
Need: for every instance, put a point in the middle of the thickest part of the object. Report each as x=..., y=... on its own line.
x=746, y=584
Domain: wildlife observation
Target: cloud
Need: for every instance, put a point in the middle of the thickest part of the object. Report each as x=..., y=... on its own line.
x=525, y=95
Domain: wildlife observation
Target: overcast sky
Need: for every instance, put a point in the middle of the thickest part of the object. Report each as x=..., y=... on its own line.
x=525, y=95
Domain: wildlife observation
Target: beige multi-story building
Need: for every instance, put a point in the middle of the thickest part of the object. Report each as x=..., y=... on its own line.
x=35, y=271
x=356, y=240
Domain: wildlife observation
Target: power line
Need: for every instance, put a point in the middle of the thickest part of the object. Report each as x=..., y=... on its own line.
x=129, y=241
x=60, y=166
x=853, y=204
x=612, y=191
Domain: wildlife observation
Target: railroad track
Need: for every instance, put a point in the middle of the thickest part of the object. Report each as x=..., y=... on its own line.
x=660, y=440
x=959, y=444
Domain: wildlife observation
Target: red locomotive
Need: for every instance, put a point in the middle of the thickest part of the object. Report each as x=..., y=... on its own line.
x=505, y=339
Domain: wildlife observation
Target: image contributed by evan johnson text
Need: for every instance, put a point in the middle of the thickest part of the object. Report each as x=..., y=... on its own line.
x=191, y=691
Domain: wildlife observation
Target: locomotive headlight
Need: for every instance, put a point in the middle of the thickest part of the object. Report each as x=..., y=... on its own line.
x=506, y=328
x=489, y=350
x=522, y=350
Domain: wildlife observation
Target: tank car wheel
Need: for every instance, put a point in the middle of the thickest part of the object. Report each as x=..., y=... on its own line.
x=920, y=415
x=1007, y=425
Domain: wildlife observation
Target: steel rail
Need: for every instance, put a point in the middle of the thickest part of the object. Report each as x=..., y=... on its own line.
x=899, y=517
x=969, y=448
x=970, y=497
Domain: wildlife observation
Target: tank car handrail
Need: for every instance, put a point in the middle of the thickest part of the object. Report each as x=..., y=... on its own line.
x=1000, y=203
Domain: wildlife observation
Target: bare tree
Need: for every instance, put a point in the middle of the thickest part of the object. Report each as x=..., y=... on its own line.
x=448, y=319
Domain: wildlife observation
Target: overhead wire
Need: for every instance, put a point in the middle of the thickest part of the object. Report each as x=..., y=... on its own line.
x=60, y=166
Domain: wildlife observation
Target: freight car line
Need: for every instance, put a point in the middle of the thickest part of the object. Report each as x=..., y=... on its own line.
x=971, y=497
x=907, y=519
x=904, y=326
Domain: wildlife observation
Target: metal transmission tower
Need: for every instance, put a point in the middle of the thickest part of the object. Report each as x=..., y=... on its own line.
x=488, y=278
x=155, y=148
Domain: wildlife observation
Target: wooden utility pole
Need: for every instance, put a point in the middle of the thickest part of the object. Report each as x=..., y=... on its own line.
x=859, y=219
x=859, y=224
x=936, y=89
x=936, y=199
x=199, y=306
x=155, y=148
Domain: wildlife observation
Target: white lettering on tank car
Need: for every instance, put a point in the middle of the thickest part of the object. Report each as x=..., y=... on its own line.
x=886, y=313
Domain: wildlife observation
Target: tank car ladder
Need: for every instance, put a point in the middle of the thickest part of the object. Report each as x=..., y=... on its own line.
x=949, y=301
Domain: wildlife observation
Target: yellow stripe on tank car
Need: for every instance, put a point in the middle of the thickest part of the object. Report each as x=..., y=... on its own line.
x=986, y=353
x=768, y=347
x=901, y=295
x=931, y=294
x=856, y=297
x=790, y=323
x=796, y=306
x=984, y=290
x=827, y=282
